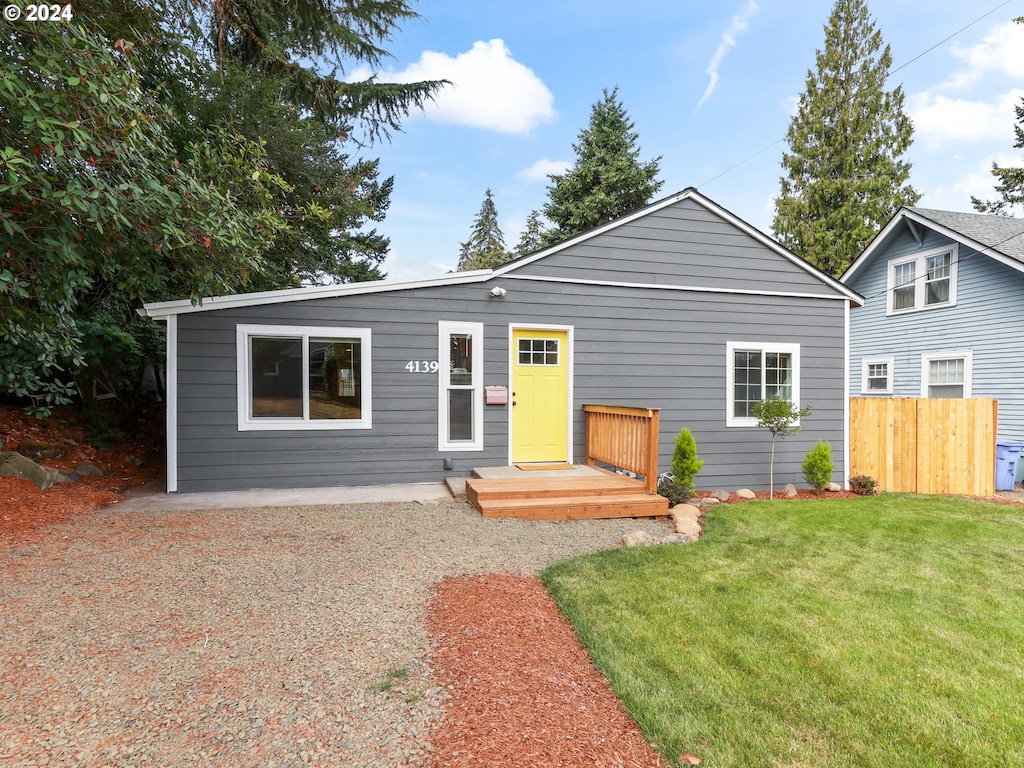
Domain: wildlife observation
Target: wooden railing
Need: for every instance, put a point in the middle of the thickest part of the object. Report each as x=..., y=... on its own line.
x=624, y=438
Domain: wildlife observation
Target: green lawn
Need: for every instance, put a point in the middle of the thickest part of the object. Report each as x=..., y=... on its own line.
x=884, y=631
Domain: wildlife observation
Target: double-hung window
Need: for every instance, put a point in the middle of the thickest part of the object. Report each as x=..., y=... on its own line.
x=923, y=281
x=759, y=371
x=460, y=386
x=946, y=374
x=876, y=375
x=301, y=377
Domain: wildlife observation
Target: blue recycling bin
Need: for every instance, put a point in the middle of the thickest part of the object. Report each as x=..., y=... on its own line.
x=1007, y=455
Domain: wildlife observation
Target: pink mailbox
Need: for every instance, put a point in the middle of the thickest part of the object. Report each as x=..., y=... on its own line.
x=496, y=395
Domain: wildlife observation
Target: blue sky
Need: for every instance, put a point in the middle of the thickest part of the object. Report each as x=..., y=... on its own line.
x=710, y=85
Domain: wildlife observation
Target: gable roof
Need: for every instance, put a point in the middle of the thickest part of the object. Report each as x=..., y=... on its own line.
x=159, y=310
x=999, y=237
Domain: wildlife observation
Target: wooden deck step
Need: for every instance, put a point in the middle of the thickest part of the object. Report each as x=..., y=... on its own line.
x=577, y=507
x=480, y=490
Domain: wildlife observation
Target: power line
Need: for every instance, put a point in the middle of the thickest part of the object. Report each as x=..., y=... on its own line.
x=891, y=72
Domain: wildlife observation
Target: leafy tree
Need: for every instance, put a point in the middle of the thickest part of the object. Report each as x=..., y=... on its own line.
x=779, y=417
x=607, y=180
x=1010, y=179
x=844, y=176
x=532, y=238
x=485, y=248
x=94, y=199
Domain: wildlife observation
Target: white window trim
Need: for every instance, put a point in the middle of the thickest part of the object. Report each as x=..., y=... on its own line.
x=920, y=275
x=444, y=330
x=730, y=374
x=869, y=361
x=247, y=424
x=966, y=354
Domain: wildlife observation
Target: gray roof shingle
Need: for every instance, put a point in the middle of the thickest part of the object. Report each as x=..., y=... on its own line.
x=1000, y=233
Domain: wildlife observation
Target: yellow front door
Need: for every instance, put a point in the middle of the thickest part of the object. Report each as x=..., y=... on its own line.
x=540, y=395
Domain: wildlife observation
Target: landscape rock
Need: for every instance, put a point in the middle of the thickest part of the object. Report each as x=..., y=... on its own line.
x=789, y=490
x=721, y=494
x=705, y=502
x=833, y=488
x=35, y=450
x=676, y=538
x=88, y=468
x=638, y=539
x=745, y=493
x=686, y=518
x=13, y=464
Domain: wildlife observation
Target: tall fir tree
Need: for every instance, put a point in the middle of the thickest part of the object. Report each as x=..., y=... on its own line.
x=607, y=180
x=532, y=238
x=1010, y=179
x=844, y=174
x=485, y=248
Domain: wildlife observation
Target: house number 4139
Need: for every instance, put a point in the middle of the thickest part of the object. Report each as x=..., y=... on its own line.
x=422, y=366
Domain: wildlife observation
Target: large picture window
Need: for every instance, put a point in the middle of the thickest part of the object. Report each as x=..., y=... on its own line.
x=758, y=371
x=923, y=281
x=303, y=378
x=460, y=389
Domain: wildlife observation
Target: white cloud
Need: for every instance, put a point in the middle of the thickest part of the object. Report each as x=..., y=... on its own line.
x=737, y=25
x=489, y=89
x=977, y=182
x=1001, y=50
x=540, y=170
x=940, y=120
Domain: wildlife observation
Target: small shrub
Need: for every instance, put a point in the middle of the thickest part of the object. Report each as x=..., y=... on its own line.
x=818, y=465
x=676, y=493
x=685, y=463
x=863, y=485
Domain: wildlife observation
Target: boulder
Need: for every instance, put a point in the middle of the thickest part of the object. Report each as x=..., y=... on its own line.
x=833, y=488
x=789, y=490
x=745, y=493
x=14, y=464
x=35, y=450
x=721, y=494
x=638, y=539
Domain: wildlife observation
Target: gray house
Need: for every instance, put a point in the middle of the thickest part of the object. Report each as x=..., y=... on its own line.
x=943, y=298
x=679, y=306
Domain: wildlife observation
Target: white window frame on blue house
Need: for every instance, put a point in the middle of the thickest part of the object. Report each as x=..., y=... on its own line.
x=927, y=358
x=764, y=349
x=866, y=376
x=919, y=281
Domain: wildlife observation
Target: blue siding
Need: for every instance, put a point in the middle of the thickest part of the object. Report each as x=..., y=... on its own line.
x=985, y=320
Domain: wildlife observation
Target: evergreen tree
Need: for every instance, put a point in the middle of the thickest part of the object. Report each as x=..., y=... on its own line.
x=844, y=174
x=1010, y=179
x=485, y=248
x=532, y=238
x=607, y=180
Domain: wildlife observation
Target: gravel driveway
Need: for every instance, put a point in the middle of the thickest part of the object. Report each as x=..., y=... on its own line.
x=271, y=637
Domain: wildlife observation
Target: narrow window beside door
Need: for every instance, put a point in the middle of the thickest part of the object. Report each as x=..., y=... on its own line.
x=460, y=386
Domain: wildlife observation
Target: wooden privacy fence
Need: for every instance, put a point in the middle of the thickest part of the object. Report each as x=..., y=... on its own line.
x=625, y=438
x=925, y=445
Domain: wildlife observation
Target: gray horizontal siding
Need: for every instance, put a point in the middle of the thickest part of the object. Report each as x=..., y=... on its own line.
x=985, y=320
x=641, y=347
x=681, y=244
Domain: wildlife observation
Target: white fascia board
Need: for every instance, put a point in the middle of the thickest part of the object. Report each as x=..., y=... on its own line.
x=874, y=245
x=163, y=309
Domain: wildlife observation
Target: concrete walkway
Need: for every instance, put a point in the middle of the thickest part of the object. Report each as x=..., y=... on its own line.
x=152, y=497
